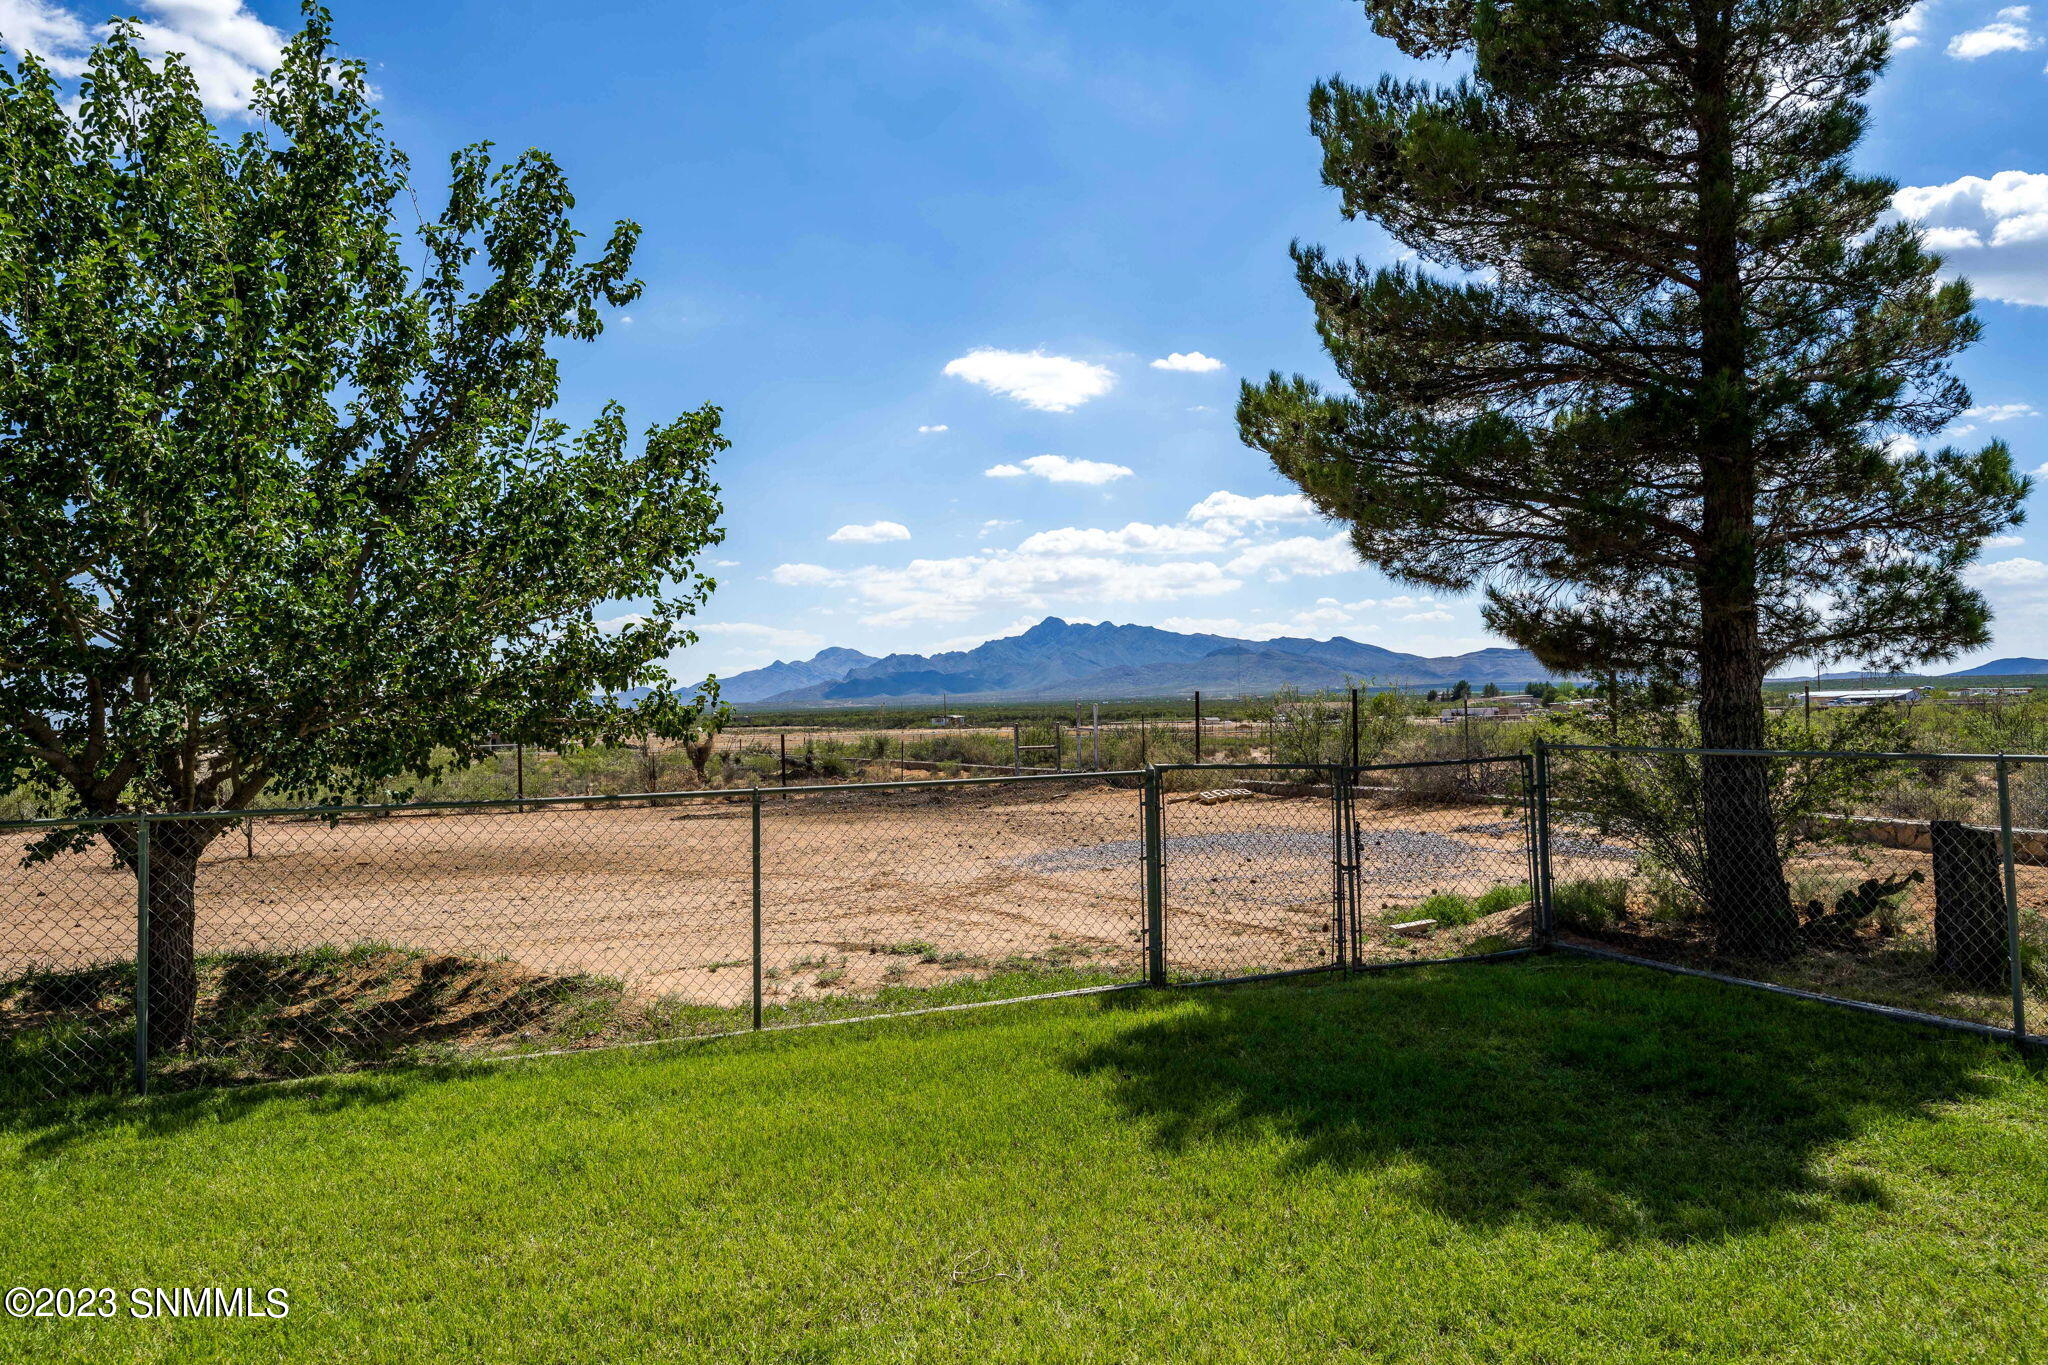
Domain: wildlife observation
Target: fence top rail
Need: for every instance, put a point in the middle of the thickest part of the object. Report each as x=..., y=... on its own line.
x=1282, y=765
x=1920, y=756
x=738, y=794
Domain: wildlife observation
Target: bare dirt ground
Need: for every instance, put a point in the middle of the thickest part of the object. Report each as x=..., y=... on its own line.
x=859, y=890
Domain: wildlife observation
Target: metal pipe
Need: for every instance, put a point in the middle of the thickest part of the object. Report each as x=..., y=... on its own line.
x=142, y=955
x=1892, y=1012
x=2012, y=906
x=757, y=905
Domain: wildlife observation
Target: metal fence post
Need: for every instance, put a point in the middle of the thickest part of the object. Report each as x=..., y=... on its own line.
x=142, y=954
x=1155, y=881
x=756, y=813
x=2012, y=905
x=1540, y=763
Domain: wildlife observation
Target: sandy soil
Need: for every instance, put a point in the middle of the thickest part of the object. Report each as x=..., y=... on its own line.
x=858, y=890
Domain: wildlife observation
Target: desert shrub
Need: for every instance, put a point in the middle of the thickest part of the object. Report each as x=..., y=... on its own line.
x=1447, y=908
x=1666, y=895
x=1591, y=904
x=1500, y=898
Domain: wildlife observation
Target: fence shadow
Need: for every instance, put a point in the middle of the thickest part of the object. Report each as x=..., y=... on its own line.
x=1637, y=1106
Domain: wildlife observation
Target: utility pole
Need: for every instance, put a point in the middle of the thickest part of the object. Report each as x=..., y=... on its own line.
x=1198, y=726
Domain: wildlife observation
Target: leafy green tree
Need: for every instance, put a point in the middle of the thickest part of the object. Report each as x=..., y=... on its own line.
x=1490, y=690
x=286, y=505
x=1662, y=393
x=1461, y=690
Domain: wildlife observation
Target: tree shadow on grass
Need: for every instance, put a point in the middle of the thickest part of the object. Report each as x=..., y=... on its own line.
x=1631, y=1103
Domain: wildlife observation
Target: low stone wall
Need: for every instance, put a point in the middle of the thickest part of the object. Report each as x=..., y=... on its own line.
x=2028, y=845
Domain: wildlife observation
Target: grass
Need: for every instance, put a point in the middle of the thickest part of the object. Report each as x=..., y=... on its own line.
x=1548, y=1160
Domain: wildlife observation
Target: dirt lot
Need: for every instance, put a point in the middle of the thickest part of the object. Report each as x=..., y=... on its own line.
x=858, y=889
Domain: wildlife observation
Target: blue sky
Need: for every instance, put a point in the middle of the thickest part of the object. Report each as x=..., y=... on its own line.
x=907, y=244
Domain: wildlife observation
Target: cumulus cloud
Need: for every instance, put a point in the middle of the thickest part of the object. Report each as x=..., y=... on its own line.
x=994, y=524
x=956, y=588
x=1298, y=556
x=1135, y=537
x=871, y=533
x=1992, y=230
x=934, y=429
x=2004, y=542
x=1049, y=383
x=1060, y=469
x=1189, y=362
x=2002, y=412
x=1234, y=511
x=1907, y=28
x=2007, y=32
x=226, y=47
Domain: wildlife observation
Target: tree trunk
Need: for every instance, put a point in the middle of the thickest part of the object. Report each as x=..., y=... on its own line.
x=174, y=849
x=1747, y=899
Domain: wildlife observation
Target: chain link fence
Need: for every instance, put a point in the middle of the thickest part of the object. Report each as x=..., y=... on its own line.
x=1911, y=882
x=283, y=944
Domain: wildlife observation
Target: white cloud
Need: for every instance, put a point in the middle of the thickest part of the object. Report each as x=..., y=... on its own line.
x=1233, y=511
x=1907, y=28
x=1060, y=469
x=1992, y=230
x=1299, y=556
x=802, y=575
x=1049, y=383
x=871, y=533
x=933, y=430
x=1135, y=537
x=226, y=47
x=994, y=524
x=2004, y=542
x=771, y=637
x=2002, y=412
x=725, y=563
x=2007, y=32
x=2017, y=588
x=954, y=589
x=52, y=33
x=1191, y=362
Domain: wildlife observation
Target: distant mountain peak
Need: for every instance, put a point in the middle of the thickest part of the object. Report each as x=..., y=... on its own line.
x=1061, y=660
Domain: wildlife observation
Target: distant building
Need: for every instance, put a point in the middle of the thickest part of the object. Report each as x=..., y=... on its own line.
x=945, y=722
x=1874, y=696
x=1986, y=693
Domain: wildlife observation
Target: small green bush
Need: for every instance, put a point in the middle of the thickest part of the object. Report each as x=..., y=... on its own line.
x=1448, y=909
x=1501, y=898
x=1591, y=904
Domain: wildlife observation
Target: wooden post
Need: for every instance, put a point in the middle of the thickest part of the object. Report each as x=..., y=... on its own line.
x=1198, y=726
x=1969, y=903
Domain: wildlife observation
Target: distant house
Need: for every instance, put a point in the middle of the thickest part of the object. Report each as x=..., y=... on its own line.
x=1989, y=693
x=1874, y=696
x=946, y=722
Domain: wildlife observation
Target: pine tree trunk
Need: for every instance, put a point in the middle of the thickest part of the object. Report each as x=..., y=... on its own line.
x=1747, y=898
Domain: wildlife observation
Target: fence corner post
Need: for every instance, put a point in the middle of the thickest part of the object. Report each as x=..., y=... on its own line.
x=142, y=954
x=1539, y=817
x=755, y=801
x=2014, y=965
x=1155, y=880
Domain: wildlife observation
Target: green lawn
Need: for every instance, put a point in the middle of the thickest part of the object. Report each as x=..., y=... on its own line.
x=1543, y=1160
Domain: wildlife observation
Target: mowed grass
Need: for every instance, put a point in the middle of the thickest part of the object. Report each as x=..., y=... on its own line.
x=1543, y=1160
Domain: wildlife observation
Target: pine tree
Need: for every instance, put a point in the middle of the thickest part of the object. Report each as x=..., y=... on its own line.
x=1660, y=377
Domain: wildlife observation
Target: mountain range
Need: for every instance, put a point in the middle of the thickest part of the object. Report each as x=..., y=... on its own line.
x=1059, y=660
